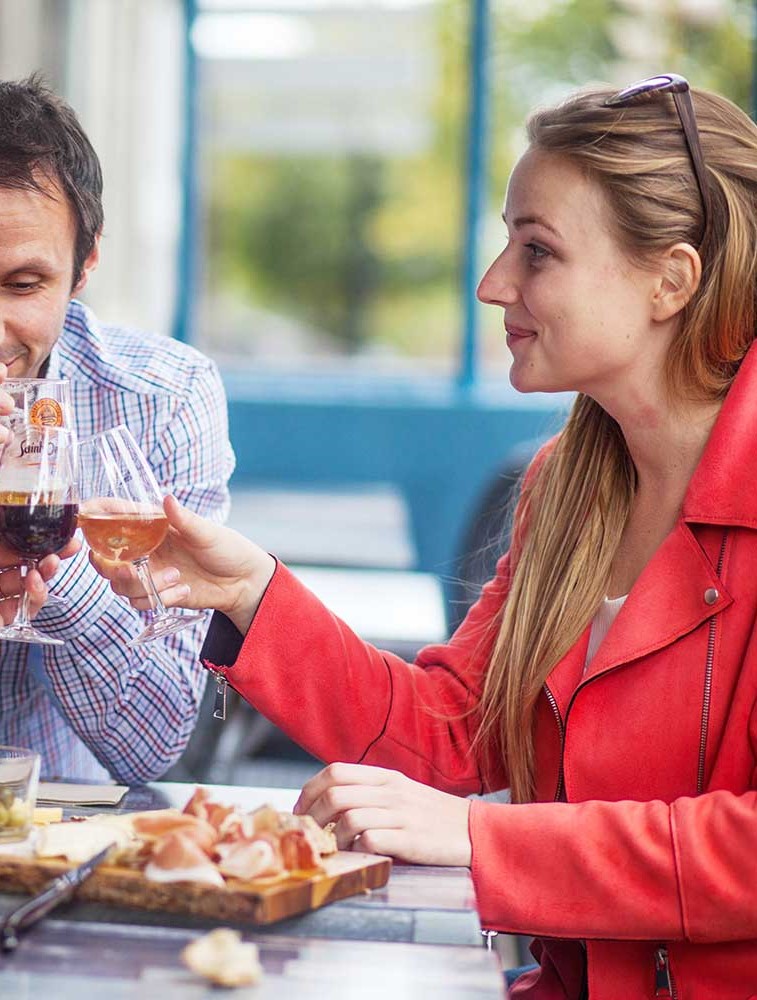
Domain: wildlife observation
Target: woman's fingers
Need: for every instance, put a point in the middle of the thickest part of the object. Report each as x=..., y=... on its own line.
x=384, y=811
x=338, y=774
x=355, y=823
x=343, y=800
x=125, y=582
x=195, y=530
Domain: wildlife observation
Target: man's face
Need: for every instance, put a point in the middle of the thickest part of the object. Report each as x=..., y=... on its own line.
x=37, y=233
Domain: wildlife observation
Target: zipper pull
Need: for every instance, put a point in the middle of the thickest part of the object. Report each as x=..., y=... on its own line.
x=663, y=982
x=488, y=937
x=219, y=705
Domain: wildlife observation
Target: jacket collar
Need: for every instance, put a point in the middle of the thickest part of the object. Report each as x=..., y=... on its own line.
x=722, y=489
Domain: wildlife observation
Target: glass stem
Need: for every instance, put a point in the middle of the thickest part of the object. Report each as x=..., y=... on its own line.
x=157, y=607
x=22, y=612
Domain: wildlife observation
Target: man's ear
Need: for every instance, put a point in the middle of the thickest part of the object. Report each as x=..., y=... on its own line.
x=89, y=265
x=680, y=271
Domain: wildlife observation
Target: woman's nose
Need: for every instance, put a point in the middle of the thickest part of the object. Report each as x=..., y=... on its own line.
x=498, y=287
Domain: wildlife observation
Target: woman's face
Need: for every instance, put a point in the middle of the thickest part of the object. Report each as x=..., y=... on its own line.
x=577, y=311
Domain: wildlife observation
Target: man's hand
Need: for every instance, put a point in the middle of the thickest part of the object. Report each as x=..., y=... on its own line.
x=6, y=408
x=383, y=812
x=199, y=565
x=36, y=581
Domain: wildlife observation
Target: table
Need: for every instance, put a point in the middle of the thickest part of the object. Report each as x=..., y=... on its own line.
x=70, y=961
x=418, y=937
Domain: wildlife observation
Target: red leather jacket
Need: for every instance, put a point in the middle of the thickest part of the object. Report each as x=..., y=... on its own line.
x=646, y=875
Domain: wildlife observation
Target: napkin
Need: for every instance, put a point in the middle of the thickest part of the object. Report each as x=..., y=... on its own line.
x=63, y=794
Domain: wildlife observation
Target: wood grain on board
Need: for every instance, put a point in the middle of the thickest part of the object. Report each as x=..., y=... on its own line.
x=259, y=902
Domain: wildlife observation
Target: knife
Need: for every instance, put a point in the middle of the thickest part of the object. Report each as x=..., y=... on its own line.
x=58, y=891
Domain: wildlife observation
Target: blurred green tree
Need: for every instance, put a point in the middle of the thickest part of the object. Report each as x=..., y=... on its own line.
x=365, y=250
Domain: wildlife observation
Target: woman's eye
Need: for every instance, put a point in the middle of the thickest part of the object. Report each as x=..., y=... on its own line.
x=536, y=252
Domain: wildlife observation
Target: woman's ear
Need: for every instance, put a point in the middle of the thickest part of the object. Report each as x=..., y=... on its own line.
x=680, y=271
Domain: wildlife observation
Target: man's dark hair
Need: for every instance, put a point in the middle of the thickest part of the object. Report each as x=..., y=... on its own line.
x=41, y=140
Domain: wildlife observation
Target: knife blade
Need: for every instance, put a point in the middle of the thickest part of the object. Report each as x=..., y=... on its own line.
x=31, y=911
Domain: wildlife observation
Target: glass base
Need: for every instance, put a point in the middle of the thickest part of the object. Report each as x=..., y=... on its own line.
x=163, y=626
x=27, y=633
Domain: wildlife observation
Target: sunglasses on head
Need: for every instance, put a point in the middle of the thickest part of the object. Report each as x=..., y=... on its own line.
x=678, y=86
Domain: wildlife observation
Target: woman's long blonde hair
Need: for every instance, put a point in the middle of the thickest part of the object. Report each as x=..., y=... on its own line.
x=572, y=513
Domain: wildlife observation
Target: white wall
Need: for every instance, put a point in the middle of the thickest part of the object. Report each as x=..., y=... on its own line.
x=120, y=64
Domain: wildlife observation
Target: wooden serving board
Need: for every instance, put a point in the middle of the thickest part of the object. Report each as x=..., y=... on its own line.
x=258, y=902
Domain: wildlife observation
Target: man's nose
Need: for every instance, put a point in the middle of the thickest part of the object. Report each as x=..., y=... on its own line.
x=498, y=285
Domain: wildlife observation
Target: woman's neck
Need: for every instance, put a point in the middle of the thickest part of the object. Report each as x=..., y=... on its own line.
x=666, y=445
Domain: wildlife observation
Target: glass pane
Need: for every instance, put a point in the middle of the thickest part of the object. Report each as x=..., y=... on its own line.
x=332, y=173
x=545, y=48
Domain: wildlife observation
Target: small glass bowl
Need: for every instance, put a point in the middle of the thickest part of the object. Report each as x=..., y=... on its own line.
x=19, y=776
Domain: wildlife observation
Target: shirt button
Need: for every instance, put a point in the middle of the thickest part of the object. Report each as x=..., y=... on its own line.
x=711, y=595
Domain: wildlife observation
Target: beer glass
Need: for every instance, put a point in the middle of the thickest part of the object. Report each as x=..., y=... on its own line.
x=122, y=518
x=39, y=402
x=38, y=508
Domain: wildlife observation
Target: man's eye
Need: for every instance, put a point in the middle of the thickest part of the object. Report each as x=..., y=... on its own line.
x=22, y=286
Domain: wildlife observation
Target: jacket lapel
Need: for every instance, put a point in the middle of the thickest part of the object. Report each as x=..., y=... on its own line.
x=667, y=601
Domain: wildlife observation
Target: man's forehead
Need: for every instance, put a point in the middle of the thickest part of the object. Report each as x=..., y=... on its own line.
x=36, y=227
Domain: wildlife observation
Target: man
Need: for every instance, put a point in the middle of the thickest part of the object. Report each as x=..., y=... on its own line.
x=94, y=707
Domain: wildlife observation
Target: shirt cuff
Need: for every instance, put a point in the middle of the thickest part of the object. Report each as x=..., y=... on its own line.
x=86, y=596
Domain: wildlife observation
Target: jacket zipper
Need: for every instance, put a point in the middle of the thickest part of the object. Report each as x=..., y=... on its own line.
x=708, y=681
x=561, y=728
x=665, y=984
x=219, y=703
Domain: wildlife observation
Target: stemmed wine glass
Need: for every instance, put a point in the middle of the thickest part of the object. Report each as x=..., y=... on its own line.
x=122, y=517
x=38, y=507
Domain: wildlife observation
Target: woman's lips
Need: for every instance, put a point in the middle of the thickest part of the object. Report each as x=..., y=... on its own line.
x=515, y=334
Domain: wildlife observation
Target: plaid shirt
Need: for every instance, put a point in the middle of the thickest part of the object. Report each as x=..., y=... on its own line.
x=94, y=707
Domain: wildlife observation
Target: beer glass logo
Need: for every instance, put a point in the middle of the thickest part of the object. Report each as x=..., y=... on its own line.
x=37, y=448
x=46, y=412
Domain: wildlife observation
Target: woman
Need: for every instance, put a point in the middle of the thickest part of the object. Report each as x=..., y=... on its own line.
x=608, y=674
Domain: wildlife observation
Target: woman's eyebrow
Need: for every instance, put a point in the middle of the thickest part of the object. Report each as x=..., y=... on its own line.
x=526, y=220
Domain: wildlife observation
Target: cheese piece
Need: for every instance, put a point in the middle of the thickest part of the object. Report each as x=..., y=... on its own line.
x=47, y=814
x=78, y=842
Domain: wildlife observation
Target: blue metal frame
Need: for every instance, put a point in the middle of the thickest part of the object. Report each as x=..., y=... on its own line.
x=478, y=134
x=187, y=252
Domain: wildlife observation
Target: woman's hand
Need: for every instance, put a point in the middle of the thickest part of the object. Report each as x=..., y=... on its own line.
x=199, y=565
x=383, y=812
x=35, y=583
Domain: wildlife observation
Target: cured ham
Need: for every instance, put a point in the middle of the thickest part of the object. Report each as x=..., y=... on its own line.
x=157, y=825
x=248, y=859
x=178, y=858
x=205, y=842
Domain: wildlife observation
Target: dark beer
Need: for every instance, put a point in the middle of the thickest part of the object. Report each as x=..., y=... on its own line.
x=35, y=529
